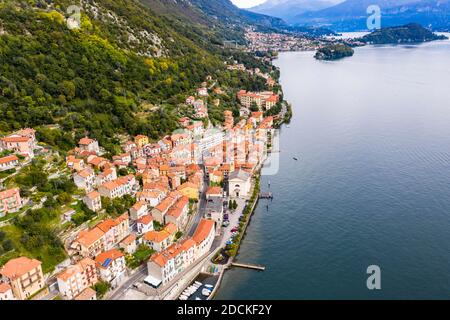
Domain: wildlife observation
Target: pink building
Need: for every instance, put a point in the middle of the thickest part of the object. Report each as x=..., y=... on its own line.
x=10, y=201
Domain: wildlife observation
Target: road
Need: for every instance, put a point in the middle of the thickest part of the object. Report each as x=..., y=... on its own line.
x=139, y=275
x=195, y=220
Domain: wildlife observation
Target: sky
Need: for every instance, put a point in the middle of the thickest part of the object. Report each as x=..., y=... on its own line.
x=247, y=3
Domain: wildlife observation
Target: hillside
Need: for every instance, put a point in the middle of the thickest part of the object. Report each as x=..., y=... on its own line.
x=351, y=15
x=123, y=71
x=410, y=33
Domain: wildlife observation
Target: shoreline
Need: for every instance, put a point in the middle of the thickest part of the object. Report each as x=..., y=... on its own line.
x=255, y=191
x=241, y=238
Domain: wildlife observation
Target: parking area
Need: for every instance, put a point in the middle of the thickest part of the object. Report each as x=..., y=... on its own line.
x=233, y=217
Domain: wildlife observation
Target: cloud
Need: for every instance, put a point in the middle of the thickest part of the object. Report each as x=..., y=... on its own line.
x=247, y=3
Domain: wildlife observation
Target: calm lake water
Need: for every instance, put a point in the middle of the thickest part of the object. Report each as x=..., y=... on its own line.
x=372, y=184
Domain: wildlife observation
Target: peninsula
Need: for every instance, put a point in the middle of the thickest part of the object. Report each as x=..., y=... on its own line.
x=334, y=51
x=410, y=33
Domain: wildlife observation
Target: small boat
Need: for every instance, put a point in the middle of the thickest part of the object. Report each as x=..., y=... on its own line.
x=209, y=286
x=206, y=292
x=183, y=297
x=197, y=298
x=295, y=158
x=198, y=283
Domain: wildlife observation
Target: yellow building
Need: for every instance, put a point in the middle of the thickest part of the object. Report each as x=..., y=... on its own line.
x=189, y=190
x=141, y=140
x=24, y=275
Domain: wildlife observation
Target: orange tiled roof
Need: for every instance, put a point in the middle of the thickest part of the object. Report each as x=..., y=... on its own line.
x=86, y=294
x=112, y=254
x=70, y=271
x=203, y=230
x=214, y=190
x=156, y=236
x=171, y=228
x=15, y=139
x=85, y=173
x=93, y=195
x=85, y=141
x=187, y=184
x=138, y=205
x=165, y=204
x=129, y=239
x=8, y=159
x=17, y=267
x=159, y=259
x=146, y=219
x=9, y=193
x=88, y=237
x=4, y=287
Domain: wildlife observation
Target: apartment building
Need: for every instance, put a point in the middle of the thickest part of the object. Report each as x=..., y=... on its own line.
x=93, y=200
x=111, y=267
x=10, y=201
x=24, y=275
x=76, y=278
x=118, y=188
x=8, y=162
x=85, y=179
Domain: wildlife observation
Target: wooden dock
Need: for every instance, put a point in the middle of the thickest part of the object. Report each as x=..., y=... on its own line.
x=248, y=266
x=266, y=195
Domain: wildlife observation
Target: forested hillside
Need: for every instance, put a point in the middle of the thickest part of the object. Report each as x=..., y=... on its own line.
x=123, y=71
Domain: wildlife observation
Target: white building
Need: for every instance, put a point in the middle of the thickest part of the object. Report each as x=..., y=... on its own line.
x=85, y=179
x=204, y=237
x=90, y=145
x=93, y=200
x=118, y=188
x=139, y=209
x=76, y=278
x=239, y=184
x=111, y=267
x=6, y=292
x=8, y=162
x=144, y=224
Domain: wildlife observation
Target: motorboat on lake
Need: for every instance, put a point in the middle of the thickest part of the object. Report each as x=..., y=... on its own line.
x=206, y=292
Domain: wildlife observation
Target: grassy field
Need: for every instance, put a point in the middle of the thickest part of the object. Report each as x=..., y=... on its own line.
x=49, y=257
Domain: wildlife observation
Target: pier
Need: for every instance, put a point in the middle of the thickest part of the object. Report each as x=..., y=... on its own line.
x=248, y=266
x=266, y=195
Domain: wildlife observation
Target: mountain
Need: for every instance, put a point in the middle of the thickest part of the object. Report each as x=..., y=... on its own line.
x=288, y=9
x=124, y=70
x=351, y=15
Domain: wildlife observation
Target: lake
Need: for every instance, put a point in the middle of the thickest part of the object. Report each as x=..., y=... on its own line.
x=371, y=186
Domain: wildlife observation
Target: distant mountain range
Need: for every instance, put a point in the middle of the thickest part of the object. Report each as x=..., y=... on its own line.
x=351, y=15
x=288, y=9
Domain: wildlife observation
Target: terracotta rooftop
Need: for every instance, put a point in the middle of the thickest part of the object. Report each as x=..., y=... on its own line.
x=103, y=259
x=4, y=287
x=86, y=294
x=17, y=267
x=203, y=230
x=9, y=193
x=71, y=271
x=8, y=159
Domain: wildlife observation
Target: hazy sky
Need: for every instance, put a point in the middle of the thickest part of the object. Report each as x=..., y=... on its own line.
x=247, y=3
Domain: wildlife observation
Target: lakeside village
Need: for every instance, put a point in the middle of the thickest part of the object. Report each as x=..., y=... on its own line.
x=143, y=224
x=280, y=42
